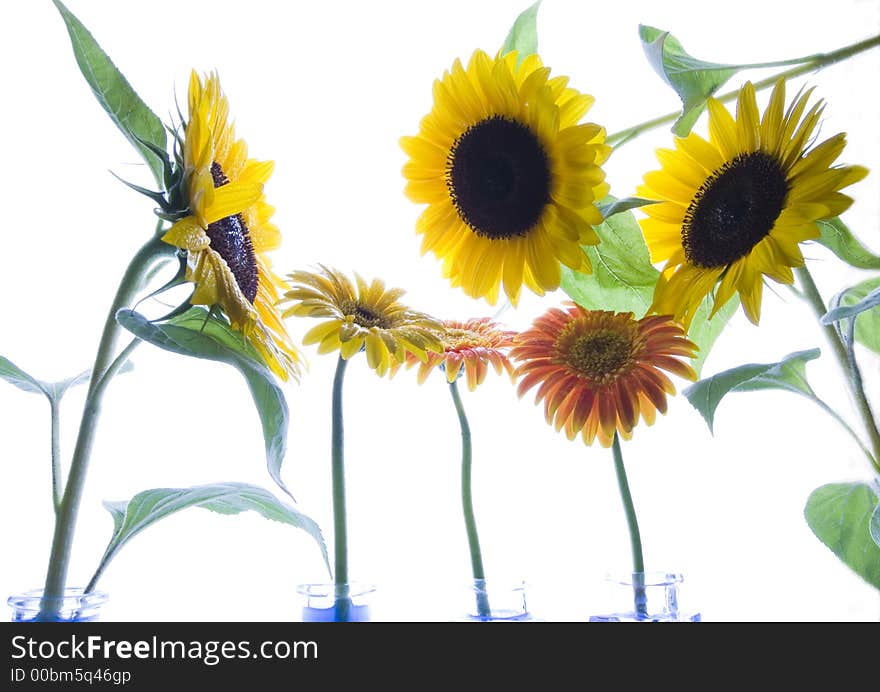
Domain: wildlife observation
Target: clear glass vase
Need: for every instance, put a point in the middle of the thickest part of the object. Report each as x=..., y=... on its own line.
x=493, y=602
x=322, y=604
x=74, y=606
x=644, y=597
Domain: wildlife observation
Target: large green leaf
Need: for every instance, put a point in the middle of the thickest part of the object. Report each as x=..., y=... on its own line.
x=704, y=332
x=195, y=333
x=10, y=372
x=149, y=506
x=132, y=116
x=693, y=80
x=523, y=35
x=623, y=277
x=840, y=516
x=789, y=374
x=836, y=236
x=861, y=303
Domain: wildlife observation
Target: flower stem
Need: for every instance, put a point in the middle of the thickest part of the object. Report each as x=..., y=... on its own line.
x=340, y=532
x=813, y=62
x=467, y=505
x=56, y=454
x=849, y=366
x=640, y=598
x=65, y=521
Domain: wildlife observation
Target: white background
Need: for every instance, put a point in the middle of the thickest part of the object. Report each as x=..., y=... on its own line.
x=326, y=89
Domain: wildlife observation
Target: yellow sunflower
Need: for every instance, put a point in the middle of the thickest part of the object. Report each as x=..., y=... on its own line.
x=473, y=345
x=600, y=371
x=734, y=209
x=365, y=317
x=227, y=228
x=508, y=174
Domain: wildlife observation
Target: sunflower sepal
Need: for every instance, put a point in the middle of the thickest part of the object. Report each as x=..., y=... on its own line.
x=198, y=334
x=523, y=35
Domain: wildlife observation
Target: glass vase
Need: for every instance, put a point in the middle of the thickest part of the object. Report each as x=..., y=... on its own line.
x=321, y=603
x=74, y=606
x=645, y=597
x=493, y=602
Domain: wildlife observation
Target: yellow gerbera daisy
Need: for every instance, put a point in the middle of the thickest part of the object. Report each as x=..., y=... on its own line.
x=227, y=228
x=367, y=317
x=600, y=371
x=508, y=174
x=473, y=345
x=734, y=209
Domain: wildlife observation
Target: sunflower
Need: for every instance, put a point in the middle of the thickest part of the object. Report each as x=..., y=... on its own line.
x=508, y=174
x=734, y=209
x=600, y=371
x=367, y=317
x=474, y=345
x=226, y=228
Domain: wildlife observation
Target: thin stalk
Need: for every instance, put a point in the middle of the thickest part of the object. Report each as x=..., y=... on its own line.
x=640, y=598
x=65, y=521
x=56, y=453
x=814, y=63
x=850, y=369
x=340, y=531
x=467, y=505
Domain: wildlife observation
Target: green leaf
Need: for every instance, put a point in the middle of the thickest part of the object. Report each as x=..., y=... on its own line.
x=705, y=332
x=199, y=335
x=132, y=116
x=623, y=277
x=53, y=390
x=789, y=374
x=149, y=506
x=840, y=514
x=693, y=80
x=860, y=302
x=609, y=206
x=523, y=35
x=10, y=372
x=875, y=525
x=837, y=237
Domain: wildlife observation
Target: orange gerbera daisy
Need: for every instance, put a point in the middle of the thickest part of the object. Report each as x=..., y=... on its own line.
x=474, y=345
x=600, y=371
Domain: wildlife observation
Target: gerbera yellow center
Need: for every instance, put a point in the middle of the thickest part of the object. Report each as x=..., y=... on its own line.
x=231, y=239
x=734, y=209
x=365, y=316
x=600, y=355
x=455, y=338
x=498, y=177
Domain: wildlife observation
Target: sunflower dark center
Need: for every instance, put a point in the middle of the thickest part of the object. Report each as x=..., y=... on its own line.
x=231, y=239
x=498, y=177
x=734, y=210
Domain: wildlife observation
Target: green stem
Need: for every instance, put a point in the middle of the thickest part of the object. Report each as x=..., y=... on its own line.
x=640, y=598
x=65, y=522
x=56, y=454
x=467, y=505
x=814, y=62
x=340, y=531
x=850, y=369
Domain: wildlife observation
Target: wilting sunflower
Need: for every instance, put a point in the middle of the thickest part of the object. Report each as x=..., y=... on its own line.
x=600, y=371
x=474, y=345
x=508, y=174
x=367, y=317
x=227, y=227
x=734, y=209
